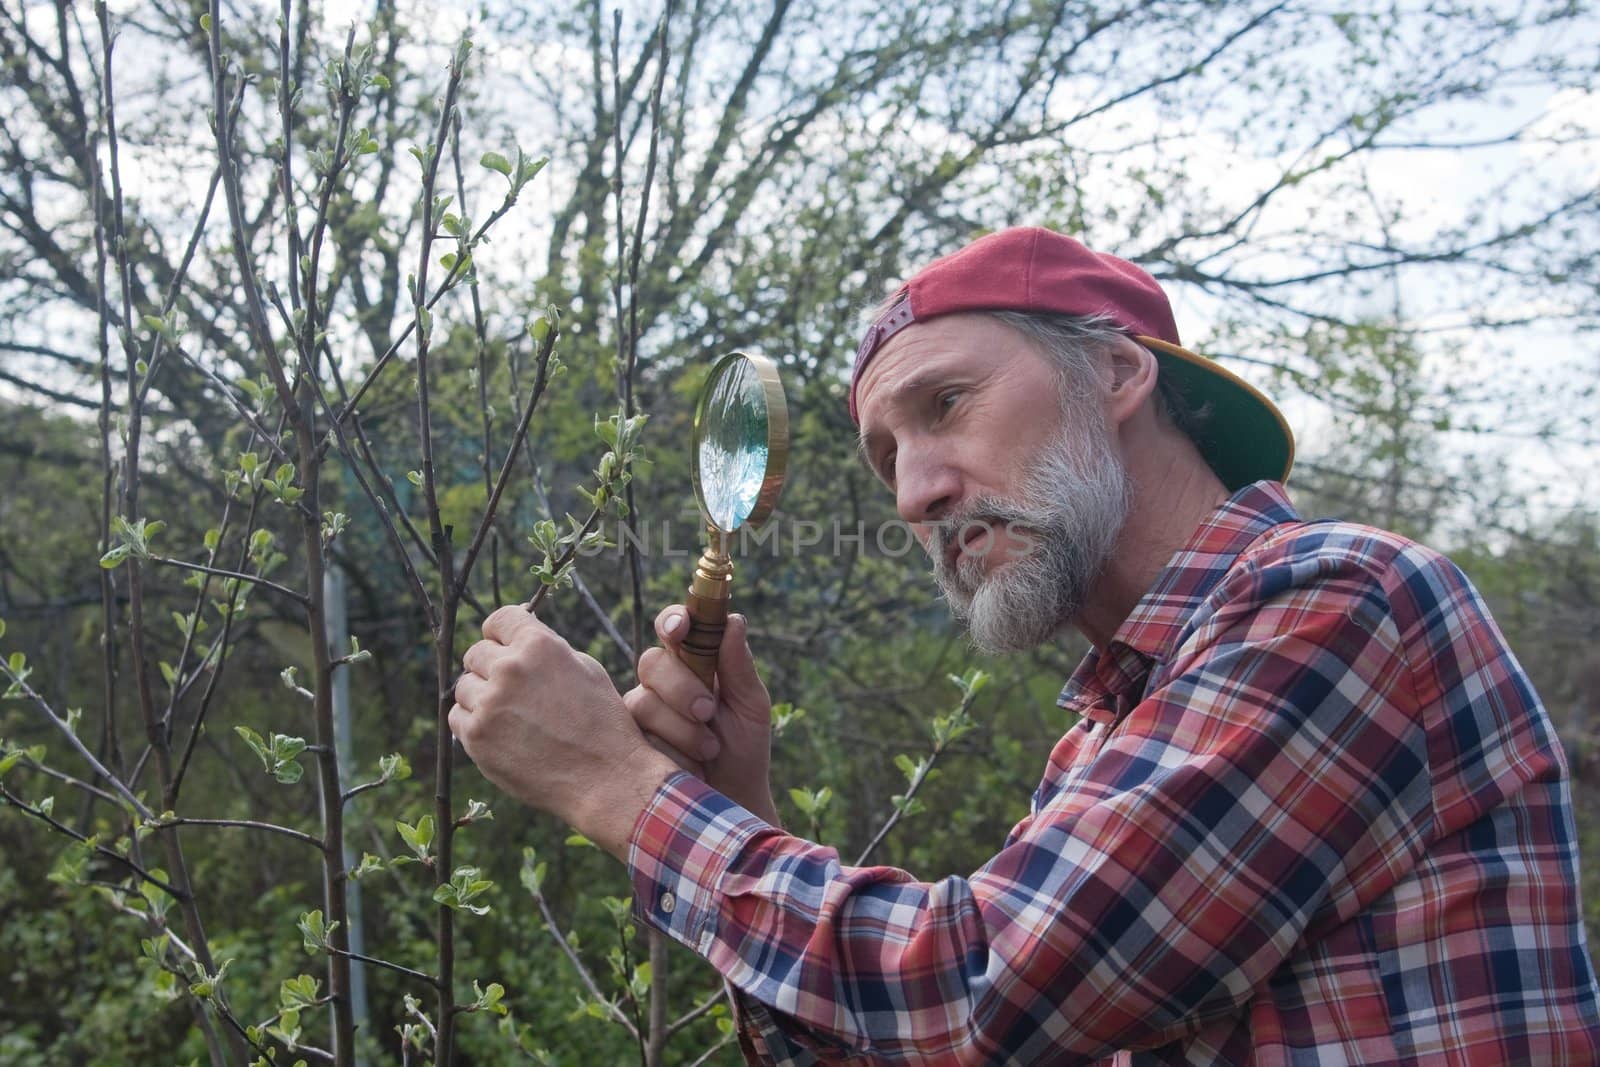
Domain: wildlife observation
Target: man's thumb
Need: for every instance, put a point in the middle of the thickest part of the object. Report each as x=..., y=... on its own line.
x=737, y=678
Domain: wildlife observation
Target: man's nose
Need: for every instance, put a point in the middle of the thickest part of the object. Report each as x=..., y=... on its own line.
x=926, y=488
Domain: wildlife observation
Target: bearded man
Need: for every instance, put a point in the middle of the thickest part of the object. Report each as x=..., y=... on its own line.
x=1312, y=811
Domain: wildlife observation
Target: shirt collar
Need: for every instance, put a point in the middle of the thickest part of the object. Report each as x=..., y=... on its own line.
x=1101, y=687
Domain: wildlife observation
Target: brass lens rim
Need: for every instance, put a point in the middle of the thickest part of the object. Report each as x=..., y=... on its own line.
x=777, y=433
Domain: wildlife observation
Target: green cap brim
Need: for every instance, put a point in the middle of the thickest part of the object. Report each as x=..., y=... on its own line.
x=1244, y=437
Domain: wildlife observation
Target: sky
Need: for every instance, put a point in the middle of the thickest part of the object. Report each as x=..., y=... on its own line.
x=1515, y=379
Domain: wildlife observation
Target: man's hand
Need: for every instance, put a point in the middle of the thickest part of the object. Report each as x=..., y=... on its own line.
x=544, y=723
x=725, y=739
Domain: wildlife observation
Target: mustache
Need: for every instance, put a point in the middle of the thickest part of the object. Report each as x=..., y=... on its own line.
x=992, y=517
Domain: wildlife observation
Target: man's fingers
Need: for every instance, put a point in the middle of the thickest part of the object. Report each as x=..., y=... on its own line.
x=657, y=718
x=510, y=623
x=459, y=718
x=679, y=688
x=672, y=625
x=483, y=655
x=469, y=690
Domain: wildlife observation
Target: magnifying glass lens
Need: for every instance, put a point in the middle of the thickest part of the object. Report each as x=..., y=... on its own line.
x=733, y=445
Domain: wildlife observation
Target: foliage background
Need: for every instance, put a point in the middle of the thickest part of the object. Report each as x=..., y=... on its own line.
x=1398, y=240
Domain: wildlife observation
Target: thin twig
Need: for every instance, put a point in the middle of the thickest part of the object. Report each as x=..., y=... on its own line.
x=72, y=740
x=76, y=783
x=376, y=962
x=705, y=1057
x=584, y=974
x=546, y=347
x=220, y=649
x=300, y=598
x=911, y=789
x=249, y=824
x=61, y=828
x=481, y=338
x=355, y=791
x=698, y=1011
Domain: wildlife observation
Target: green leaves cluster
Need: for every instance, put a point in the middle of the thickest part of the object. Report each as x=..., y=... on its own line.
x=10, y=757
x=614, y=471
x=462, y=889
x=17, y=671
x=315, y=932
x=281, y=485
x=517, y=174
x=279, y=755
x=133, y=540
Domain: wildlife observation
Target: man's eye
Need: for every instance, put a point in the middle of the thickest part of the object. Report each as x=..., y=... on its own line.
x=947, y=399
x=887, y=467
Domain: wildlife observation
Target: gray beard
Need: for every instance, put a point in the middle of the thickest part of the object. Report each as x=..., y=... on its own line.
x=1085, y=494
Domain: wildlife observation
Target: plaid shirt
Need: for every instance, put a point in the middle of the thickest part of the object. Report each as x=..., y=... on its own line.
x=1312, y=813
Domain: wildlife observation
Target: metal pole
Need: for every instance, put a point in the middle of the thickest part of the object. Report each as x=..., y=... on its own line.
x=333, y=590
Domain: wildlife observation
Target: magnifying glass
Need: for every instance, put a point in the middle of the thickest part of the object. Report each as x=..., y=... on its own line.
x=741, y=451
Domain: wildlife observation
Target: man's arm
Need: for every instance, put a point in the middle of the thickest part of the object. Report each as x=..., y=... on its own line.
x=1278, y=780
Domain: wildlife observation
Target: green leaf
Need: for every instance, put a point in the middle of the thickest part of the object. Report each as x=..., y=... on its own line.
x=489, y=999
x=313, y=932
x=414, y=477
x=532, y=873
x=579, y=841
x=298, y=992
x=496, y=162
x=369, y=863
x=205, y=23
x=208, y=984
x=258, y=746
x=803, y=800
x=529, y=168
x=417, y=837
x=154, y=895
x=394, y=767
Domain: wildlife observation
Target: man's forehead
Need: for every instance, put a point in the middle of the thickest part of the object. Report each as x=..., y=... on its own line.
x=915, y=357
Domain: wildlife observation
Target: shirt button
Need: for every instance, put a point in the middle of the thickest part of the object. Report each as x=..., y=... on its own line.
x=668, y=902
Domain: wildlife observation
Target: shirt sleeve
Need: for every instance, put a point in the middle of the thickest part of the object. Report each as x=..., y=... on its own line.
x=1273, y=782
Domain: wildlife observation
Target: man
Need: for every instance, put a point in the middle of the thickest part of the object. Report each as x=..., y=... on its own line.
x=1312, y=813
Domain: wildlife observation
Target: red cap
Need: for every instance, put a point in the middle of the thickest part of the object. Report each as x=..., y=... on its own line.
x=1032, y=269
x=1025, y=269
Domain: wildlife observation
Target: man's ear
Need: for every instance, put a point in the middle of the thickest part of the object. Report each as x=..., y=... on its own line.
x=1133, y=378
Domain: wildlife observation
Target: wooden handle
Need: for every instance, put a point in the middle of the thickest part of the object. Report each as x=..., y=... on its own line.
x=708, y=617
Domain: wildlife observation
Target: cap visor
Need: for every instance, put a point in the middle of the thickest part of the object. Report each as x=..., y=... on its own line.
x=1244, y=437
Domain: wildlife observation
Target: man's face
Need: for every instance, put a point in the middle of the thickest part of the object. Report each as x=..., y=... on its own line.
x=1017, y=496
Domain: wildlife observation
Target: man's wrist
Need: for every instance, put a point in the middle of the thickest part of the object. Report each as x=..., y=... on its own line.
x=611, y=808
